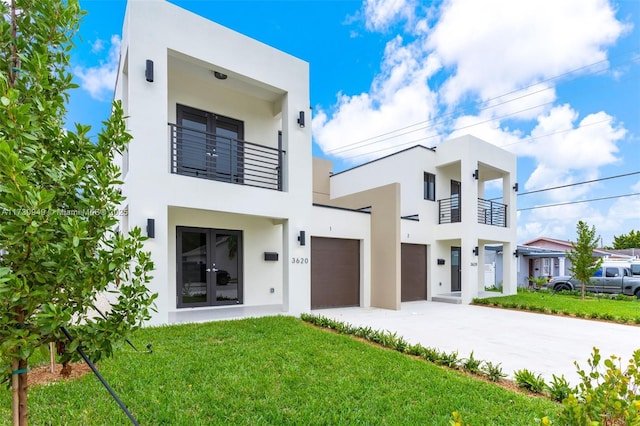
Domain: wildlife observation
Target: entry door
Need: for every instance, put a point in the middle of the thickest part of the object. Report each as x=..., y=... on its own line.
x=456, y=197
x=456, y=270
x=209, y=267
x=210, y=145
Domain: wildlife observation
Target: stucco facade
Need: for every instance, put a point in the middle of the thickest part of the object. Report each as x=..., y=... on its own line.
x=264, y=89
x=220, y=173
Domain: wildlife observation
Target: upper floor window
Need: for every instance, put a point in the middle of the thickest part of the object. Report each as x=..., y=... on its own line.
x=429, y=186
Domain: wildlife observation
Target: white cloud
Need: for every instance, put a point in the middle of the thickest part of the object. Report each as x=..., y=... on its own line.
x=495, y=46
x=489, y=48
x=100, y=80
x=561, y=145
x=399, y=97
x=380, y=14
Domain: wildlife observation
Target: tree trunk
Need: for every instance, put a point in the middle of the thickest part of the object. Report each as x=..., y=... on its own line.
x=15, y=384
x=582, y=290
x=22, y=392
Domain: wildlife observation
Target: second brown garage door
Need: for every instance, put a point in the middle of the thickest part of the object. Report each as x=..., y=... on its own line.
x=414, y=272
x=335, y=272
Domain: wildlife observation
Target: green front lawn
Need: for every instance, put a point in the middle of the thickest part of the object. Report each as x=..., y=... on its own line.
x=275, y=370
x=624, y=311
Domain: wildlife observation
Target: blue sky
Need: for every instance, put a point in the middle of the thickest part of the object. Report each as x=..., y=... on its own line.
x=556, y=83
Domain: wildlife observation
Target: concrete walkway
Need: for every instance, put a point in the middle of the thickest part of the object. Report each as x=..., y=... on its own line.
x=544, y=344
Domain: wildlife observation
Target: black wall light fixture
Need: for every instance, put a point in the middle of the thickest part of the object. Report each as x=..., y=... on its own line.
x=302, y=239
x=515, y=187
x=475, y=174
x=151, y=228
x=270, y=256
x=148, y=71
x=301, y=119
x=440, y=261
x=219, y=75
x=516, y=254
x=475, y=250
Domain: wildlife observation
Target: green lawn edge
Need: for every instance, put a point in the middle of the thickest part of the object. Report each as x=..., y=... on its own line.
x=273, y=370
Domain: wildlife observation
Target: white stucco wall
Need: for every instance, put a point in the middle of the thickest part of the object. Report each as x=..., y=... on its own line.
x=266, y=89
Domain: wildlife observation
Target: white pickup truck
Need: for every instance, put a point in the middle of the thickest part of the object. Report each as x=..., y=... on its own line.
x=608, y=279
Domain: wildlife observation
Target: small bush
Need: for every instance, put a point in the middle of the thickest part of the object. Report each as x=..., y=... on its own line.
x=525, y=379
x=624, y=298
x=471, y=364
x=493, y=371
x=609, y=396
x=559, y=388
x=449, y=359
x=431, y=354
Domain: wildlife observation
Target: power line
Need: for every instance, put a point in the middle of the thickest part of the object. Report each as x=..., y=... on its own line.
x=577, y=183
x=350, y=147
x=578, y=202
x=359, y=144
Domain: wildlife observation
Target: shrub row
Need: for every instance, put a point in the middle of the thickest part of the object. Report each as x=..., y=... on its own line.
x=533, y=308
x=387, y=339
x=608, y=397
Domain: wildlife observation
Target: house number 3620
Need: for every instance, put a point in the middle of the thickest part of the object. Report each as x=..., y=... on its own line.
x=300, y=260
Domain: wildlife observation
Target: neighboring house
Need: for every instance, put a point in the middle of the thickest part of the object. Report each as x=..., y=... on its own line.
x=547, y=257
x=242, y=220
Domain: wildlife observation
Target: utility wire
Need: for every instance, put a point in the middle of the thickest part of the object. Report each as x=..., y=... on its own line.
x=360, y=144
x=577, y=183
x=350, y=147
x=578, y=202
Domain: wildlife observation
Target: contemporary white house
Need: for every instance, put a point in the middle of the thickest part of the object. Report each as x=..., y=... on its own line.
x=242, y=220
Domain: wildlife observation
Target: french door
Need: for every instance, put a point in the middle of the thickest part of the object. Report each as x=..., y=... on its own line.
x=209, y=267
x=210, y=145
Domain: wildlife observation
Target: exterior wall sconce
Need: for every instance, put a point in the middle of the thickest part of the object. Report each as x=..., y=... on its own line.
x=475, y=174
x=301, y=119
x=270, y=256
x=151, y=228
x=148, y=71
x=516, y=254
x=475, y=251
x=515, y=187
x=219, y=75
x=440, y=261
x=301, y=238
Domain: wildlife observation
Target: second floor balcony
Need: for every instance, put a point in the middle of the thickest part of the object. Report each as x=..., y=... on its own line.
x=220, y=157
x=489, y=212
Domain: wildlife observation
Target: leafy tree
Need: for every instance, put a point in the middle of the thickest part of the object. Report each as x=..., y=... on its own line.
x=59, y=247
x=627, y=241
x=583, y=264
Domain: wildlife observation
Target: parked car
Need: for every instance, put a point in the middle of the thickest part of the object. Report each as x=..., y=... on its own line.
x=608, y=279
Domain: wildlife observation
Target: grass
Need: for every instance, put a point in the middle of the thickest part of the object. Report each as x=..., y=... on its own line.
x=277, y=371
x=556, y=303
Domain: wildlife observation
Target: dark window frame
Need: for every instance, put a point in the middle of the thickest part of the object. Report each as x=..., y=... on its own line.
x=429, y=188
x=232, y=172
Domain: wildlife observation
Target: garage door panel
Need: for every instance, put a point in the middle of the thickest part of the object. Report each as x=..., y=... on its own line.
x=414, y=272
x=335, y=272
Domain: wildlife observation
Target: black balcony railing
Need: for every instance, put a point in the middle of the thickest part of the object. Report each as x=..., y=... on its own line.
x=492, y=213
x=221, y=158
x=489, y=212
x=449, y=210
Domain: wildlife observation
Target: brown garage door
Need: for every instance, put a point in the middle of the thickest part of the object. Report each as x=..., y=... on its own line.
x=335, y=272
x=414, y=272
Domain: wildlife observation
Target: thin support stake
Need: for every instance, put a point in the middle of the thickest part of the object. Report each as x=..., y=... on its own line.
x=102, y=380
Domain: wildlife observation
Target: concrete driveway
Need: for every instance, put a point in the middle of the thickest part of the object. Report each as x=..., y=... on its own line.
x=544, y=344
